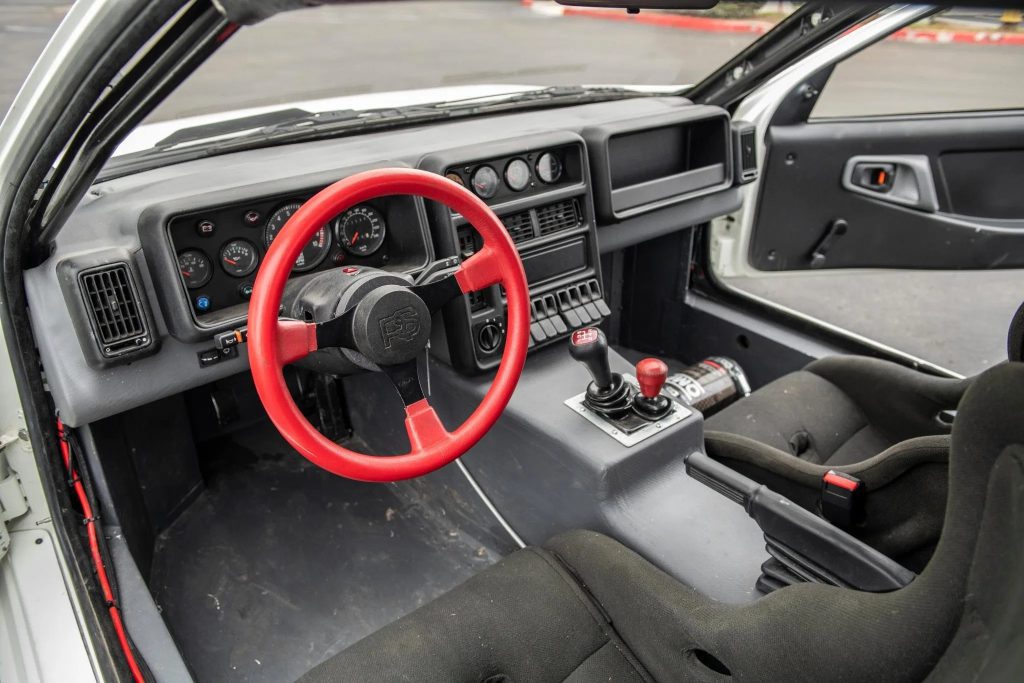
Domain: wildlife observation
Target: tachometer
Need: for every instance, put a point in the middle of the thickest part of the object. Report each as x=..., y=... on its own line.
x=360, y=230
x=517, y=174
x=316, y=249
x=195, y=268
x=485, y=182
x=238, y=258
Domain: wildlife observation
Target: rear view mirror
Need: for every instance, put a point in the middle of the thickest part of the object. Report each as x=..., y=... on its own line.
x=643, y=4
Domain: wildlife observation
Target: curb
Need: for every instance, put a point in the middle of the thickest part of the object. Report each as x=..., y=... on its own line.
x=753, y=26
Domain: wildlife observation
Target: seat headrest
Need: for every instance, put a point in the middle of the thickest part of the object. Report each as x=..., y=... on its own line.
x=1015, y=340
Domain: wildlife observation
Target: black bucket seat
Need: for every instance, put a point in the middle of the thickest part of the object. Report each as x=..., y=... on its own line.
x=882, y=423
x=585, y=608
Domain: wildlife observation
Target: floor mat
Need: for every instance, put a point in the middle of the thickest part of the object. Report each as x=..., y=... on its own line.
x=278, y=564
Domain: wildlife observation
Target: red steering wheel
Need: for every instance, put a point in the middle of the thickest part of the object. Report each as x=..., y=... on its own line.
x=274, y=343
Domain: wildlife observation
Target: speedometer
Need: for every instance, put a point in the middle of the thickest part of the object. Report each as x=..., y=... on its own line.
x=360, y=230
x=315, y=250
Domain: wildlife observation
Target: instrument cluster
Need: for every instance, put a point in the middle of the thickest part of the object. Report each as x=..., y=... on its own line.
x=219, y=250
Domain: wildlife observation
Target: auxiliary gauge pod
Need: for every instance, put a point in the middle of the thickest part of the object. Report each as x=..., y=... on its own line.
x=611, y=396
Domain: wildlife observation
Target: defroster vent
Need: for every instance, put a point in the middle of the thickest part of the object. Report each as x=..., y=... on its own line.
x=115, y=311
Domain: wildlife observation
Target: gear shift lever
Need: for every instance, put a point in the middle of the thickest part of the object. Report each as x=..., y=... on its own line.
x=608, y=394
x=589, y=346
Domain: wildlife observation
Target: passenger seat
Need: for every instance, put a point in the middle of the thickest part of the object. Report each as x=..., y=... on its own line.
x=882, y=423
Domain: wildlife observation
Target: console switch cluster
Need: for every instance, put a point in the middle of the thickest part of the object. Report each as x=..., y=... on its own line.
x=554, y=314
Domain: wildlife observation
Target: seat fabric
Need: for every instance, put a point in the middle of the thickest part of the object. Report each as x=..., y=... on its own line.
x=524, y=619
x=841, y=410
x=614, y=616
x=870, y=418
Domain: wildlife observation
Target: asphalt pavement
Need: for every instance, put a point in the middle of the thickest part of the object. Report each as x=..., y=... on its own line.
x=357, y=48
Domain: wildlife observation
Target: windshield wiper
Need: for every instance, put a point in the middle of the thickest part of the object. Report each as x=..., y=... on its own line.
x=296, y=125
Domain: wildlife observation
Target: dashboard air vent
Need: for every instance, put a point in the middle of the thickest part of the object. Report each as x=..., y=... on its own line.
x=114, y=309
x=519, y=226
x=467, y=242
x=559, y=216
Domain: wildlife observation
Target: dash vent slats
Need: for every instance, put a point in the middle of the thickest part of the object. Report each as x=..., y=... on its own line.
x=558, y=216
x=114, y=309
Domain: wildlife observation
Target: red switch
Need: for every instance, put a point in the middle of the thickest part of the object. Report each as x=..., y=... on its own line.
x=651, y=374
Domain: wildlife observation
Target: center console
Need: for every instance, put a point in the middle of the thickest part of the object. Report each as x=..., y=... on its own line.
x=547, y=468
x=540, y=189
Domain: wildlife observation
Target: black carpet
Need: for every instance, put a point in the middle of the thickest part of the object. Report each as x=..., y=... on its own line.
x=278, y=564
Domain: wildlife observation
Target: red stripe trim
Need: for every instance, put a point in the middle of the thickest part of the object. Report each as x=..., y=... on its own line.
x=97, y=558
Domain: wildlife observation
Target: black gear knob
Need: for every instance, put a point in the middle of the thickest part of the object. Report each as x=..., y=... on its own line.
x=589, y=346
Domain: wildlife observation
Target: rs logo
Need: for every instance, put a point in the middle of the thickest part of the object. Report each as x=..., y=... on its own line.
x=403, y=324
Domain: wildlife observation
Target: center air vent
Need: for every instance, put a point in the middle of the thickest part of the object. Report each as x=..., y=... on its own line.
x=115, y=312
x=559, y=216
x=519, y=226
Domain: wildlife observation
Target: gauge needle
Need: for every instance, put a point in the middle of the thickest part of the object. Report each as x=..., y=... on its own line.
x=234, y=263
x=355, y=237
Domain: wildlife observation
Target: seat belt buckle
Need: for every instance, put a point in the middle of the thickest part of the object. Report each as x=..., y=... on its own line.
x=842, y=499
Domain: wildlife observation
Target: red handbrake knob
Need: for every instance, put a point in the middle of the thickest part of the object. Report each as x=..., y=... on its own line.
x=651, y=374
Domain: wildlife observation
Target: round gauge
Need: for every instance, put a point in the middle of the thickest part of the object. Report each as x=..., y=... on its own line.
x=238, y=258
x=315, y=250
x=485, y=182
x=360, y=230
x=195, y=268
x=517, y=174
x=549, y=167
x=455, y=178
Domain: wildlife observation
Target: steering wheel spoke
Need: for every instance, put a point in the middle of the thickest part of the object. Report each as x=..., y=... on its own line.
x=479, y=271
x=337, y=332
x=406, y=378
x=424, y=426
x=296, y=340
x=439, y=292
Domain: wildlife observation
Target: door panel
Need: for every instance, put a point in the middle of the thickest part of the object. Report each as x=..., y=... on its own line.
x=821, y=207
x=985, y=184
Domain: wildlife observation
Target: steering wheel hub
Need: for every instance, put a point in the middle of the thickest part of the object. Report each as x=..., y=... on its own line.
x=391, y=325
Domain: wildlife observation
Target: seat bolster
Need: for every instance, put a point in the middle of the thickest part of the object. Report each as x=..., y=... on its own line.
x=897, y=400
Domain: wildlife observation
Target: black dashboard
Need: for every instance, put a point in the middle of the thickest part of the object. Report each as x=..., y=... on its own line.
x=219, y=249
x=569, y=185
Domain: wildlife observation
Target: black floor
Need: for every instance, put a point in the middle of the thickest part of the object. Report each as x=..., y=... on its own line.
x=279, y=564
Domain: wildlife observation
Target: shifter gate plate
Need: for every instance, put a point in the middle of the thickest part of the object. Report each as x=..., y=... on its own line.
x=632, y=437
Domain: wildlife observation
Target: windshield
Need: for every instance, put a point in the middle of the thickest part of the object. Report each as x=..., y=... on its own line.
x=359, y=52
